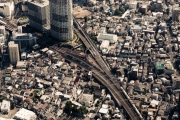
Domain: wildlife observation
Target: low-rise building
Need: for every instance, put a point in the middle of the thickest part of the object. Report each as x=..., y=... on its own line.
x=25, y=115
x=86, y=99
x=104, y=44
x=5, y=106
x=110, y=37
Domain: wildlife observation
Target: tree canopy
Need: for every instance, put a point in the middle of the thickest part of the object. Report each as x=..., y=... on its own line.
x=85, y=18
x=119, y=11
x=83, y=110
x=70, y=108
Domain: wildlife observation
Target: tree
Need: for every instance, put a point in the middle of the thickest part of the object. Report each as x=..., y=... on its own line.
x=144, y=91
x=94, y=38
x=83, y=110
x=68, y=107
x=75, y=110
x=117, y=12
x=121, y=9
x=101, y=9
x=85, y=18
x=97, y=103
x=113, y=70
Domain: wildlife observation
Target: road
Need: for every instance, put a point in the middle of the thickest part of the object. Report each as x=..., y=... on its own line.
x=115, y=89
x=106, y=77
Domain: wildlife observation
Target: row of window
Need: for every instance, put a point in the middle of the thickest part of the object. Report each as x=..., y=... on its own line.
x=37, y=20
x=59, y=30
x=22, y=37
x=59, y=1
x=32, y=7
x=59, y=18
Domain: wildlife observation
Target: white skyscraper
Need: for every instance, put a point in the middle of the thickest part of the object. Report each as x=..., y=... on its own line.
x=39, y=16
x=61, y=19
x=13, y=52
x=6, y=8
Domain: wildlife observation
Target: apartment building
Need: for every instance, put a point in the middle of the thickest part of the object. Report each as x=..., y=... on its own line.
x=13, y=52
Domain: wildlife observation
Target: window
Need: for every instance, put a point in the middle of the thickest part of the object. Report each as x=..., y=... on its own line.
x=32, y=8
x=60, y=30
x=63, y=30
x=37, y=20
x=59, y=18
x=54, y=1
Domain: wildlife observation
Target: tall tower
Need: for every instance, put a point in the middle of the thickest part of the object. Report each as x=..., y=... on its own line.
x=61, y=19
x=38, y=11
x=13, y=52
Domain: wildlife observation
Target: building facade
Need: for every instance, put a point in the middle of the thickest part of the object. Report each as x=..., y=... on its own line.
x=2, y=30
x=13, y=52
x=176, y=14
x=24, y=40
x=6, y=8
x=61, y=19
x=39, y=16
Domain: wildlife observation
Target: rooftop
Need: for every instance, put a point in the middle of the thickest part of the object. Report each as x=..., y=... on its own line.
x=25, y=114
x=40, y=3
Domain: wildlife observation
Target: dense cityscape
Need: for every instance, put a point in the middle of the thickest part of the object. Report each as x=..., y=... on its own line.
x=89, y=60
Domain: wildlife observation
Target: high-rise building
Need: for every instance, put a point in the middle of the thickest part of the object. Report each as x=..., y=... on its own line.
x=176, y=14
x=61, y=19
x=39, y=16
x=13, y=52
x=6, y=8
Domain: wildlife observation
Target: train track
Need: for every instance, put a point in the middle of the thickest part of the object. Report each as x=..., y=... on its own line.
x=91, y=47
x=115, y=89
x=8, y=25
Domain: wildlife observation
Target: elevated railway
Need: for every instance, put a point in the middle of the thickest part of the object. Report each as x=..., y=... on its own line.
x=114, y=87
x=8, y=25
x=105, y=76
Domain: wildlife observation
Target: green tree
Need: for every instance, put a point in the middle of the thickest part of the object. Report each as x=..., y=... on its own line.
x=75, y=110
x=85, y=18
x=83, y=110
x=121, y=9
x=12, y=105
x=68, y=108
x=94, y=38
x=117, y=12
x=97, y=103
x=144, y=91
